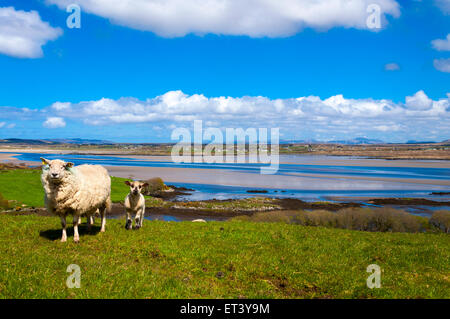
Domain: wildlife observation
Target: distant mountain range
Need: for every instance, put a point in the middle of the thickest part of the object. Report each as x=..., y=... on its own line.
x=53, y=141
x=355, y=141
x=81, y=141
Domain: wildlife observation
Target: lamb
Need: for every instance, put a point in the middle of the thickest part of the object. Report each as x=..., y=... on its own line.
x=81, y=191
x=135, y=203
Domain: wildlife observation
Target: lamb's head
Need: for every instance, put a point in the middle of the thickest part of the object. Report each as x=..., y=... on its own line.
x=136, y=187
x=56, y=170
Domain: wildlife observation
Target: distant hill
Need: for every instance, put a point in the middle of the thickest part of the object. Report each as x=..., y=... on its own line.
x=420, y=142
x=25, y=141
x=52, y=141
x=79, y=141
x=357, y=141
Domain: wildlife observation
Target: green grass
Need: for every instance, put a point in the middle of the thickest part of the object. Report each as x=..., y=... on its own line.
x=243, y=204
x=25, y=187
x=182, y=260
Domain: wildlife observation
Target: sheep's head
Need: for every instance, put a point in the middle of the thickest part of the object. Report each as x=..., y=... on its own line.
x=56, y=169
x=136, y=187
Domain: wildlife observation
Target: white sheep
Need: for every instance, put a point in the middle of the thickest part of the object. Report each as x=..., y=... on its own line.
x=135, y=204
x=81, y=191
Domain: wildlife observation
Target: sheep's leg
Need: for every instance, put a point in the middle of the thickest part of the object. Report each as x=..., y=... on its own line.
x=64, y=233
x=129, y=223
x=103, y=218
x=76, y=236
x=90, y=222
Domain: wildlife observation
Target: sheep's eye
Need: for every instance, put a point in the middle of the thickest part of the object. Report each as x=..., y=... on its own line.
x=140, y=186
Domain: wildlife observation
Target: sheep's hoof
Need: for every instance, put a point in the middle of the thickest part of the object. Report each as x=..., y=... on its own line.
x=136, y=227
x=76, y=241
x=63, y=240
x=128, y=225
x=102, y=230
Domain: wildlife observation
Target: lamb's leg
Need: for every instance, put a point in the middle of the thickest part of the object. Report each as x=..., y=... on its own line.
x=138, y=219
x=103, y=218
x=76, y=236
x=142, y=215
x=129, y=223
x=64, y=233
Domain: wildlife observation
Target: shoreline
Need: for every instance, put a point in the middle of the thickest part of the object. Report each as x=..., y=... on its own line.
x=289, y=181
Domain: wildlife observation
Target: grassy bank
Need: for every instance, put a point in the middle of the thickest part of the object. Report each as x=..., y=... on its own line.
x=230, y=260
x=24, y=186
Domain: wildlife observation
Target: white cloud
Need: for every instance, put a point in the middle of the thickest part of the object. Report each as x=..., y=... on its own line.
x=388, y=128
x=442, y=65
x=444, y=5
x=392, y=67
x=6, y=125
x=419, y=101
x=309, y=116
x=58, y=106
x=442, y=44
x=54, y=122
x=22, y=34
x=254, y=18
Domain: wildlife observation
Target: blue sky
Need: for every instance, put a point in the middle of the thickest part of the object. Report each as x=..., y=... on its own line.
x=134, y=75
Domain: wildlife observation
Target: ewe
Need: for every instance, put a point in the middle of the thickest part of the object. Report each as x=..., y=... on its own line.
x=81, y=191
x=135, y=204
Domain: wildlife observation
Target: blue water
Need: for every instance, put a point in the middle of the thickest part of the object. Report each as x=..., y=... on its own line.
x=284, y=169
x=205, y=191
x=221, y=192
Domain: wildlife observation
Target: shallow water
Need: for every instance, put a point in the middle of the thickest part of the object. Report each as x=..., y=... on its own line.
x=285, y=168
x=309, y=178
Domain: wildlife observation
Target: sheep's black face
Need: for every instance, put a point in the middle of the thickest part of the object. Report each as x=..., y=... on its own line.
x=56, y=169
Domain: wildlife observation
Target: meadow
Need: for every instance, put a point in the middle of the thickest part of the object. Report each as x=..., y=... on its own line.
x=218, y=260
x=248, y=257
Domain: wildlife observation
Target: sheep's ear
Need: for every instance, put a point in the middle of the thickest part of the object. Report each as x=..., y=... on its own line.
x=128, y=183
x=69, y=165
x=45, y=161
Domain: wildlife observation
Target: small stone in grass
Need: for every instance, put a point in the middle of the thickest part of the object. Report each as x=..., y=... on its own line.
x=220, y=274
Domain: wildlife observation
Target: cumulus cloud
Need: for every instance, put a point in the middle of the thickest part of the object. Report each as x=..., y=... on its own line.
x=54, y=122
x=442, y=44
x=419, y=101
x=58, y=106
x=334, y=115
x=296, y=117
x=442, y=65
x=392, y=67
x=254, y=18
x=22, y=33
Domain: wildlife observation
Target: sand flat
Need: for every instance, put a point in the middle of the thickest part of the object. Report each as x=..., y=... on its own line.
x=293, y=180
x=243, y=179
